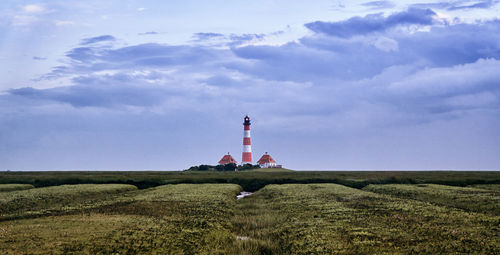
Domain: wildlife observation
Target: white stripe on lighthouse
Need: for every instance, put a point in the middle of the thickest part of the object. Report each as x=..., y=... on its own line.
x=246, y=133
x=247, y=148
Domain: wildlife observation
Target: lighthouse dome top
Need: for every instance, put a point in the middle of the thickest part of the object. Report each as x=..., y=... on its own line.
x=247, y=120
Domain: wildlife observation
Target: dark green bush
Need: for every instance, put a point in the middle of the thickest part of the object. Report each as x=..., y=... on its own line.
x=248, y=167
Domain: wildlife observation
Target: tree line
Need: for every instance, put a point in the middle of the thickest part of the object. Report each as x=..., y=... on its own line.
x=226, y=167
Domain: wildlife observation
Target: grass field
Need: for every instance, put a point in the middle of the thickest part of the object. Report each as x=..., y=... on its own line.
x=172, y=219
x=58, y=199
x=13, y=187
x=466, y=198
x=296, y=218
x=487, y=186
x=334, y=219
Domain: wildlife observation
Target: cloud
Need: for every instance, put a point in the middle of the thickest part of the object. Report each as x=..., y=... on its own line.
x=322, y=58
x=379, y=4
x=142, y=55
x=38, y=15
x=373, y=23
x=32, y=8
x=458, y=5
x=333, y=91
x=246, y=37
x=82, y=54
x=149, y=33
x=97, y=39
x=239, y=39
x=232, y=40
x=480, y=5
x=471, y=78
x=107, y=96
x=39, y=58
x=418, y=75
x=64, y=23
x=207, y=36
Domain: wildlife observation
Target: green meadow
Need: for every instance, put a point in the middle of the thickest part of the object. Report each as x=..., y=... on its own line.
x=288, y=213
x=335, y=219
x=469, y=199
x=12, y=187
x=169, y=219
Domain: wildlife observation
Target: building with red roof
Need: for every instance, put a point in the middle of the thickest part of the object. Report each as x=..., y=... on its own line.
x=266, y=161
x=227, y=159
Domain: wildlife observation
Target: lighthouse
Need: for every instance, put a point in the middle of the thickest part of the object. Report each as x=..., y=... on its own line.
x=247, y=147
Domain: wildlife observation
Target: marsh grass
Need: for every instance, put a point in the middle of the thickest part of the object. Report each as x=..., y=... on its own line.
x=334, y=219
x=59, y=199
x=170, y=219
x=207, y=219
x=13, y=187
x=495, y=187
x=473, y=199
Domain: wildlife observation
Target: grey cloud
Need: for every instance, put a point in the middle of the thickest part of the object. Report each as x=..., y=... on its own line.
x=480, y=5
x=331, y=67
x=246, y=37
x=56, y=72
x=158, y=55
x=149, y=33
x=105, y=91
x=320, y=89
x=458, y=5
x=438, y=5
x=149, y=55
x=94, y=96
x=208, y=36
x=219, y=80
x=239, y=39
x=373, y=23
x=379, y=4
x=231, y=40
x=471, y=78
x=97, y=39
x=82, y=54
x=453, y=45
x=232, y=37
x=321, y=58
x=441, y=90
x=39, y=58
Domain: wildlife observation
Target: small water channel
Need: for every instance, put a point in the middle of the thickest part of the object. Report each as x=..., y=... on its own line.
x=243, y=194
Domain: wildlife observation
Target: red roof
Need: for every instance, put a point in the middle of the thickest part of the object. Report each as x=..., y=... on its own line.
x=227, y=159
x=266, y=158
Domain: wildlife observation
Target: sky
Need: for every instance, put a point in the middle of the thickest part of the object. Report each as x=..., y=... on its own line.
x=328, y=84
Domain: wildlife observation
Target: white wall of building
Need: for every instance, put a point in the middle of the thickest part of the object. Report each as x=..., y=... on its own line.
x=268, y=165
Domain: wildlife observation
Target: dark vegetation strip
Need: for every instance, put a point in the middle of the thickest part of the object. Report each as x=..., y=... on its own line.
x=251, y=180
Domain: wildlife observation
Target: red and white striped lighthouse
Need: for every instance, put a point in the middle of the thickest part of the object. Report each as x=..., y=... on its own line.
x=247, y=145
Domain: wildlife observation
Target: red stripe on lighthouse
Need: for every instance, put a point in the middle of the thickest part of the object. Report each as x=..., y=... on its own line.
x=247, y=158
x=246, y=141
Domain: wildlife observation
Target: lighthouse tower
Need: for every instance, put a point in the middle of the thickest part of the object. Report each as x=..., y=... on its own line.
x=247, y=147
